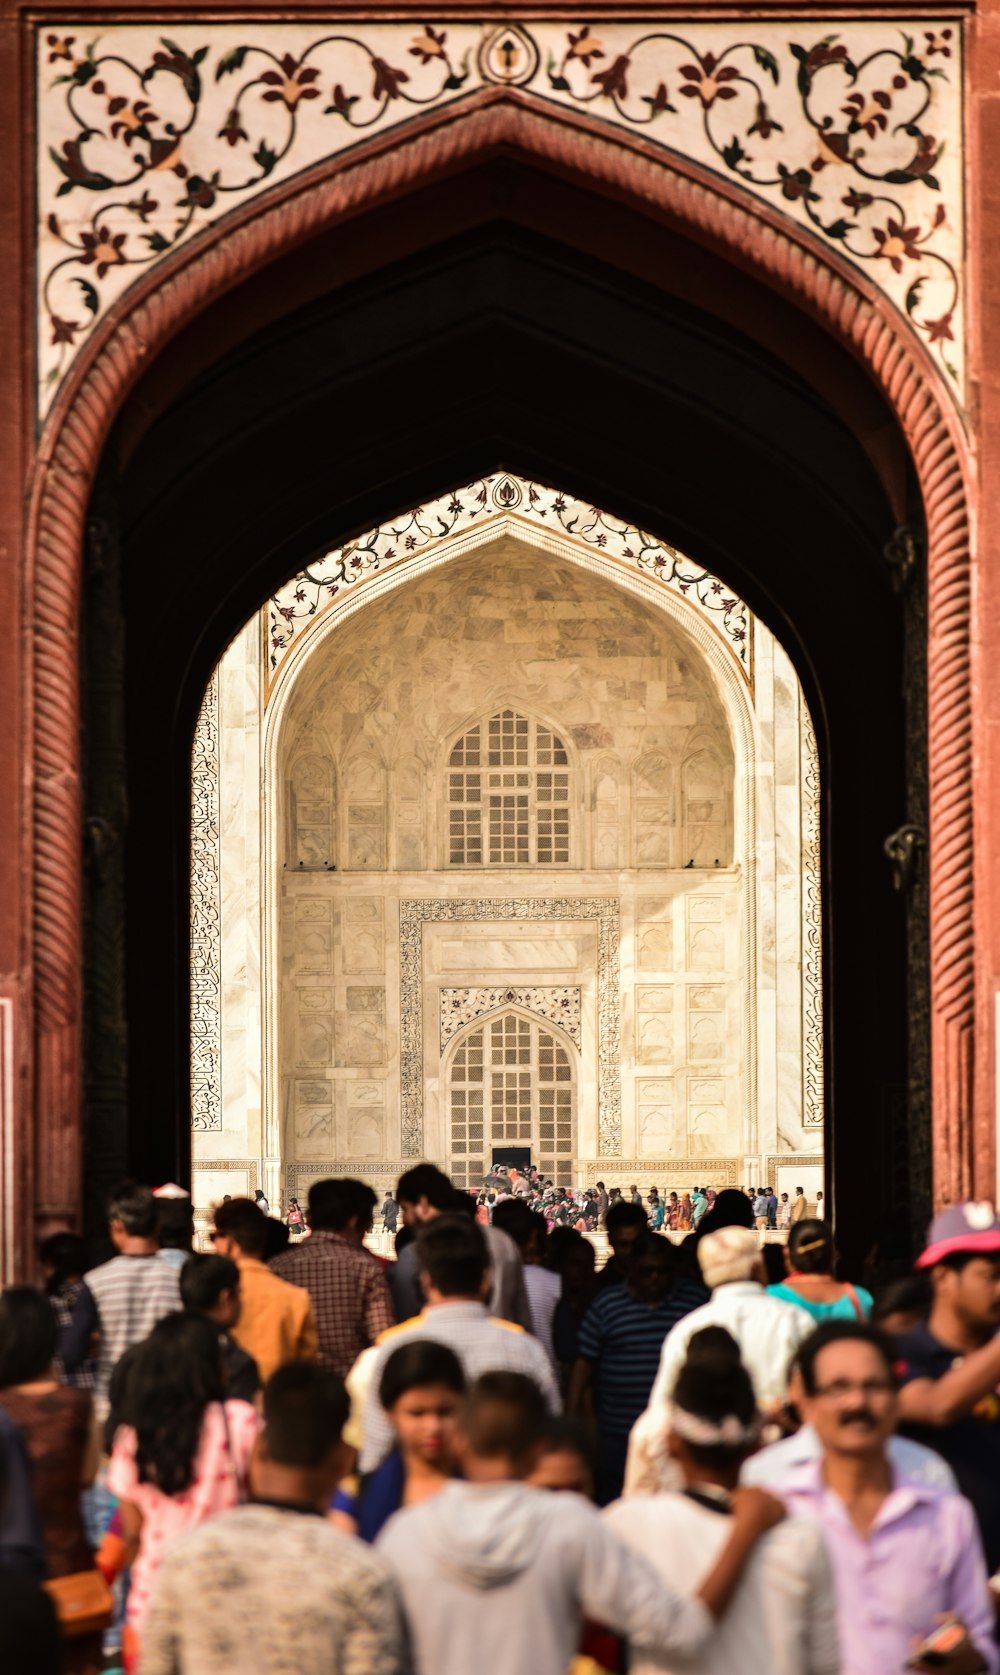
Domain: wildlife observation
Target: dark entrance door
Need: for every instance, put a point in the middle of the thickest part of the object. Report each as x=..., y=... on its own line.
x=514, y=1157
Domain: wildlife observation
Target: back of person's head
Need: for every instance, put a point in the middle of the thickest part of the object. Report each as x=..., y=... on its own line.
x=27, y=1335
x=732, y=1208
x=773, y=1258
x=305, y=1409
x=516, y=1220
x=842, y=1331
x=134, y=1207
x=562, y=1243
x=623, y=1213
x=334, y=1203
x=714, y=1411
x=505, y=1419
x=810, y=1246
x=174, y=1223
x=425, y=1181
x=365, y=1202
x=909, y=1297
x=245, y=1223
x=452, y=1253
x=461, y=1204
x=713, y=1343
x=204, y=1278
x=277, y=1237
x=65, y=1254
x=415, y=1366
x=176, y=1373
x=731, y=1254
x=565, y=1458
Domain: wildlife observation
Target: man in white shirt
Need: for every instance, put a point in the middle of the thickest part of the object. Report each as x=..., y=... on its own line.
x=782, y=1619
x=456, y=1279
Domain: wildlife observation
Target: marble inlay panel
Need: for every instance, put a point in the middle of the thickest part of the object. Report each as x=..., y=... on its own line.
x=148, y=133
x=206, y=919
x=812, y=932
x=460, y=1007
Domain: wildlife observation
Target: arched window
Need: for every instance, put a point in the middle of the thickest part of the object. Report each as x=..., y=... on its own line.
x=508, y=795
x=511, y=1084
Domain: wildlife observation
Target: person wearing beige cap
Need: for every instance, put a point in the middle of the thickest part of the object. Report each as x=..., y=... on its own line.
x=767, y=1330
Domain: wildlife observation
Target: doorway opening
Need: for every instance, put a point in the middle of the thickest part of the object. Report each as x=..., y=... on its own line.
x=506, y=837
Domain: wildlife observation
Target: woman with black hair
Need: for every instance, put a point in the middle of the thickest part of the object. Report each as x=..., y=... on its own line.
x=422, y=1389
x=56, y=1426
x=182, y=1454
x=810, y=1284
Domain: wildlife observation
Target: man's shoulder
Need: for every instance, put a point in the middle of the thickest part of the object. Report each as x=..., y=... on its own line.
x=922, y=1355
x=507, y=1325
x=393, y=1336
x=285, y=1290
x=147, y=1271
x=259, y=1532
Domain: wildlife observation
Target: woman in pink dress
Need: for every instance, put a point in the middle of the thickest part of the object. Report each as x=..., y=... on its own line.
x=182, y=1455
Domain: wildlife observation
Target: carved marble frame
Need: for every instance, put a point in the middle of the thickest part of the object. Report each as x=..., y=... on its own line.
x=748, y=233
x=713, y=1169
x=413, y=915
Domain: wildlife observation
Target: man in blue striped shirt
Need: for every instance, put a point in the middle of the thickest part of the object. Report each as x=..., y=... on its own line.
x=618, y=1351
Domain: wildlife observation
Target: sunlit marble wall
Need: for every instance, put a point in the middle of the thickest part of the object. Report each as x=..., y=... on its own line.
x=702, y=1008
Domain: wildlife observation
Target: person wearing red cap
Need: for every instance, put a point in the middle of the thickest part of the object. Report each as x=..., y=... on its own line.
x=950, y=1367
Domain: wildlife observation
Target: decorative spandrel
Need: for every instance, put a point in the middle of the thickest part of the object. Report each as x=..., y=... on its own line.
x=148, y=133
x=502, y=502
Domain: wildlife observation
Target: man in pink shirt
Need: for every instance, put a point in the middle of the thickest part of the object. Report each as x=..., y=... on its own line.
x=905, y=1555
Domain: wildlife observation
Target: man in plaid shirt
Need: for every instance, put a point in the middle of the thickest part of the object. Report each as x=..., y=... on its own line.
x=347, y=1285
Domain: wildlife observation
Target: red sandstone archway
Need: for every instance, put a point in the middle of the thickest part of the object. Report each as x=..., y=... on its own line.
x=602, y=160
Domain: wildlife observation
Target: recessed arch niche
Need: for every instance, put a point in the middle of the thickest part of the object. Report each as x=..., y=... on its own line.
x=678, y=943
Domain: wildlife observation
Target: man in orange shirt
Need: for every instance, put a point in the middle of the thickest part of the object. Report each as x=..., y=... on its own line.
x=276, y=1322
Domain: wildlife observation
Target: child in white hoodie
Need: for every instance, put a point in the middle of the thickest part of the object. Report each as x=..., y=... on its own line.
x=491, y=1552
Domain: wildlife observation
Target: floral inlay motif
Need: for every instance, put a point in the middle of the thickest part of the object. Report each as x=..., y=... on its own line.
x=206, y=918
x=558, y=1006
x=498, y=499
x=150, y=132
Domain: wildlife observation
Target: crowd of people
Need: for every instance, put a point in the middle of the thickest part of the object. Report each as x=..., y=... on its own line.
x=290, y=1453
x=586, y=1208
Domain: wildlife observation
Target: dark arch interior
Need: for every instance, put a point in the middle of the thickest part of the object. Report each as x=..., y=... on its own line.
x=321, y=398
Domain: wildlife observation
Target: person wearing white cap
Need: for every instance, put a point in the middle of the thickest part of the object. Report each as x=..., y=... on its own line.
x=767, y=1330
x=950, y=1367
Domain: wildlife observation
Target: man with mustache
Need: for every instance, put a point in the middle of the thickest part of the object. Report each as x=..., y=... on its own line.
x=905, y=1555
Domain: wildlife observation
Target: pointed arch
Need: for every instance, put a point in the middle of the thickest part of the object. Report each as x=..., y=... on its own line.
x=666, y=188
x=512, y=1081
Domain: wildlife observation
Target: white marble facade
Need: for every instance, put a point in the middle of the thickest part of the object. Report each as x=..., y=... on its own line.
x=655, y=990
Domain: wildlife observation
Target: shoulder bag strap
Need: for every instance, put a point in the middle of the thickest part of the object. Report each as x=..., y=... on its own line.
x=856, y=1302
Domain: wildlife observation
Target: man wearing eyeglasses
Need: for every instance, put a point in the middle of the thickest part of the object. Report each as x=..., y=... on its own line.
x=906, y=1555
